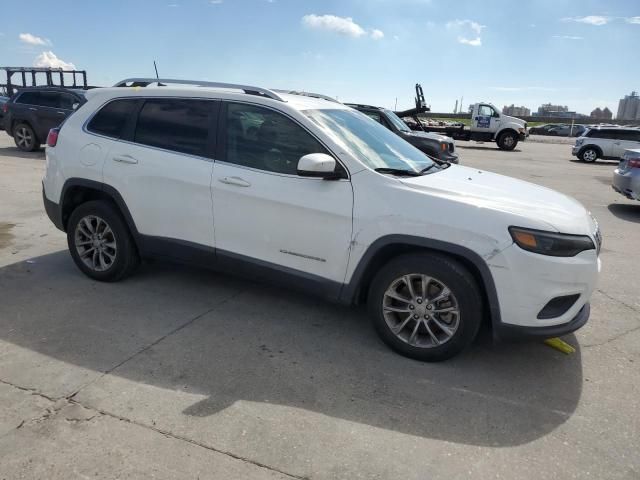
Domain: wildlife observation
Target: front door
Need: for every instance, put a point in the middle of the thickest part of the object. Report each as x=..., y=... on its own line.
x=486, y=120
x=264, y=212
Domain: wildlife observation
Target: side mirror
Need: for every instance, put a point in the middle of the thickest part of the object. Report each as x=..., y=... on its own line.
x=318, y=165
x=75, y=105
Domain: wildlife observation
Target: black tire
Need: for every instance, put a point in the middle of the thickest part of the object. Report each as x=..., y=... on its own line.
x=507, y=141
x=449, y=273
x=125, y=254
x=25, y=138
x=589, y=154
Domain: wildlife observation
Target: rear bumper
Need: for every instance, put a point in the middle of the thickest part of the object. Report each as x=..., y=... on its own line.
x=627, y=184
x=504, y=331
x=54, y=212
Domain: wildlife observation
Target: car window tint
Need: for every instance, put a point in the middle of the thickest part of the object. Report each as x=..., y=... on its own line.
x=374, y=115
x=112, y=118
x=174, y=124
x=29, y=98
x=66, y=101
x=50, y=99
x=260, y=138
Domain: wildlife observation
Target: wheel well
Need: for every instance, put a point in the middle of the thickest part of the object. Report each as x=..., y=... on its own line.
x=389, y=252
x=506, y=130
x=594, y=147
x=77, y=195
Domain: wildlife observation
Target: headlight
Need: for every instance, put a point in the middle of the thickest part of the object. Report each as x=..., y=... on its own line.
x=550, y=243
x=522, y=130
x=579, y=142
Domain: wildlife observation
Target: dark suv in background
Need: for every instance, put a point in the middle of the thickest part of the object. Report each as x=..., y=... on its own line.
x=434, y=145
x=32, y=112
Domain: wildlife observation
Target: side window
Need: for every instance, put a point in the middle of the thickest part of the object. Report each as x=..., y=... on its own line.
x=260, y=138
x=485, y=111
x=67, y=101
x=635, y=136
x=174, y=124
x=111, y=120
x=629, y=135
x=29, y=98
x=374, y=115
x=50, y=99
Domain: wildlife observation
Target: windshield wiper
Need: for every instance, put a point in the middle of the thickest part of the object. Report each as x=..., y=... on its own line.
x=426, y=169
x=398, y=171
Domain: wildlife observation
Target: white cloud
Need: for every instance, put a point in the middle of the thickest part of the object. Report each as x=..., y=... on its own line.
x=475, y=27
x=33, y=40
x=215, y=2
x=635, y=20
x=377, y=34
x=568, y=37
x=49, y=59
x=597, y=20
x=342, y=25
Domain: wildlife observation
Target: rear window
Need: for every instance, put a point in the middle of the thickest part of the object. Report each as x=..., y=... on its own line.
x=111, y=120
x=29, y=98
x=175, y=124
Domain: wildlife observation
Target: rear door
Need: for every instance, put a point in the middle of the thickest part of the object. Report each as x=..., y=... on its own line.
x=626, y=140
x=163, y=172
x=50, y=113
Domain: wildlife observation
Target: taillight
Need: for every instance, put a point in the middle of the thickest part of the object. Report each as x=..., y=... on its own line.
x=633, y=163
x=52, y=138
x=5, y=108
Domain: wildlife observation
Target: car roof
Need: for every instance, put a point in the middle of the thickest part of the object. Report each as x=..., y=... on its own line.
x=604, y=127
x=291, y=100
x=43, y=88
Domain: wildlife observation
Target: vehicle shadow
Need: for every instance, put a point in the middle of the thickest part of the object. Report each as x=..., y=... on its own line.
x=625, y=211
x=16, y=152
x=486, y=147
x=251, y=342
x=600, y=162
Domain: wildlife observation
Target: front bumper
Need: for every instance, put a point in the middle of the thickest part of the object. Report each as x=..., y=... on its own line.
x=504, y=331
x=522, y=136
x=627, y=183
x=527, y=282
x=450, y=157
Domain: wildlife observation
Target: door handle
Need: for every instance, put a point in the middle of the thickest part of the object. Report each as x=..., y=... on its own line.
x=33, y=108
x=125, y=159
x=237, y=181
x=61, y=113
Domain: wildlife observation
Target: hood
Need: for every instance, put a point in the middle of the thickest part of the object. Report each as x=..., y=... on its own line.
x=511, y=119
x=430, y=136
x=530, y=205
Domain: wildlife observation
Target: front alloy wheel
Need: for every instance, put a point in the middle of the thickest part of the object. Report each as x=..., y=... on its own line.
x=421, y=310
x=425, y=305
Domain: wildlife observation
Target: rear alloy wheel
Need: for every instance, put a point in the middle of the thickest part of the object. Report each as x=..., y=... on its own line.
x=100, y=243
x=25, y=138
x=425, y=306
x=589, y=155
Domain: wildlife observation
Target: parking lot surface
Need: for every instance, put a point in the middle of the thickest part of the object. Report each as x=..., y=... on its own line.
x=184, y=373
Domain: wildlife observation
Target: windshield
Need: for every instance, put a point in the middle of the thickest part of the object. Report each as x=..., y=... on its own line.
x=397, y=121
x=370, y=142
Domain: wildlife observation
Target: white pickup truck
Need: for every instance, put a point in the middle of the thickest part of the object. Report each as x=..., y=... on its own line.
x=487, y=125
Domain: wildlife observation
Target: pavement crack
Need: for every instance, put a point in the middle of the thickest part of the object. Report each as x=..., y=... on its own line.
x=155, y=342
x=616, y=337
x=174, y=436
x=630, y=307
x=32, y=391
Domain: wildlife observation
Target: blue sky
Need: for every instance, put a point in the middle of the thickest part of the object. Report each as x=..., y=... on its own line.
x=579, y=53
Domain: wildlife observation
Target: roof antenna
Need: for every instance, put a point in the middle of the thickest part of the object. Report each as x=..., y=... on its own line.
x=157, y=76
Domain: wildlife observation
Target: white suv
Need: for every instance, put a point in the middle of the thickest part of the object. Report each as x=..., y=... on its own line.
x=608, y=143
x=311, y=193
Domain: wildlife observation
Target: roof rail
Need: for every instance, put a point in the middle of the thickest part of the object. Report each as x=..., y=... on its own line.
x=309, y=94
x=143, y=82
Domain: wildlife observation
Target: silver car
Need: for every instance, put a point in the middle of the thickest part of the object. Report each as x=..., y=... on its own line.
x=626, y=178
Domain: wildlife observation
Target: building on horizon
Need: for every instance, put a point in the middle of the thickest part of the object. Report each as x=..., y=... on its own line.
x=629, y=107
x=601, y=114
x=516, y=111
x=556, y=111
